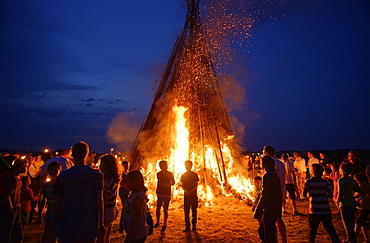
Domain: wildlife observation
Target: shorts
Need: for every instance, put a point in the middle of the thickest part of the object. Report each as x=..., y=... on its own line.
x=110, y=214
x=163, y=199
x=361, y=216
x=291, y=190
x=25, y=217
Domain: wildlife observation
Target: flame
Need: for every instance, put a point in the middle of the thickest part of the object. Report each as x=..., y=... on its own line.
x=179, y=153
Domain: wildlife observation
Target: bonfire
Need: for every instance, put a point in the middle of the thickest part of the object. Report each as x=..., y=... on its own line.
x=188, y=121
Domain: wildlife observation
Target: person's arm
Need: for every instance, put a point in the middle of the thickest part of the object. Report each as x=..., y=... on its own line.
x=138, y=207
x=306, y=189
x=41, y=205
x=339, y=194
x=101, y=210
x=329, y=189
x=9, y=187
x=191, y=190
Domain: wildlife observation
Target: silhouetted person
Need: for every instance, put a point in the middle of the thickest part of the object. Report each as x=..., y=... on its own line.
x=363, y=207
x=10, y=204
x=165, y=180
x=281, y=172
x=269, y=206
x=347, y=187
x=189, y=182
x=79, y=203
x=319, y=191
x=53, y=171
x=109, y=168
x=136, y=209
x=123, y=193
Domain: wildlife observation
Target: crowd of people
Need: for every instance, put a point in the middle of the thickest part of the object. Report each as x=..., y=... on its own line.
x=318, y=180
x=80, y=196
x=80, y=188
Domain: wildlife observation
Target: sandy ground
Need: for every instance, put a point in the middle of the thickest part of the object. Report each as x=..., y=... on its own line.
x=229, y=220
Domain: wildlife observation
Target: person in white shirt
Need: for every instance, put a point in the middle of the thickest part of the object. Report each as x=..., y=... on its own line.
x=64, y=160
x=311, y=160
x=290, y=182
x=300, y=166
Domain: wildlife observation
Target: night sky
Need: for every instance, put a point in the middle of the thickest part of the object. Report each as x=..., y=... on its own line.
x=78, y=70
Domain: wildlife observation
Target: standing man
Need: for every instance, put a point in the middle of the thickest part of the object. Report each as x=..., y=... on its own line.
x=79, y=204
x=280, y=171
x=319, y=191
x=300, y=166
x=290, y=181
x=311, y=160
x=165, y=180
x=270, y=203
x=189, y=182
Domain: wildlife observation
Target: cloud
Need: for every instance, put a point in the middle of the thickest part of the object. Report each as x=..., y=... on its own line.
x=88, y=100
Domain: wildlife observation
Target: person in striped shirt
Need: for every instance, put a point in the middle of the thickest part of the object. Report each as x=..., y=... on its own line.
x=319, y=191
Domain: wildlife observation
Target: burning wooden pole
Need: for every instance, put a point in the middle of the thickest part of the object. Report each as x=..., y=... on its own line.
x=188, y=119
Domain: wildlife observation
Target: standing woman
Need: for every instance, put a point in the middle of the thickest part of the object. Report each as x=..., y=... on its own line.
x=334, y=175
x=109, y=168
x=136, y=209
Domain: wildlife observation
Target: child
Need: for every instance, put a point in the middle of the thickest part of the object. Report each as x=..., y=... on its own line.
x=347, y=186
x=26, y=198
x=319, y=191
x=165, y=181
x=363, y=206
x=53, y=171
x=257, y=181
x=189, y=182
x=269, y=206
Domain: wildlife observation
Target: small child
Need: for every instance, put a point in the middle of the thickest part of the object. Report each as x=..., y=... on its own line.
x=257, y=181
x=53, y=171
x=347, y=186
x=363, y=207
x=319, y=191
x=26, y=198
x=165, y=181
x=189, y=182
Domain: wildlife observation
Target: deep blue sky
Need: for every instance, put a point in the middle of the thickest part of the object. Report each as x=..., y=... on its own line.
x=71, y=70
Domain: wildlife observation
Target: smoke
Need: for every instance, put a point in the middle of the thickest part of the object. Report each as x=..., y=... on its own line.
x=123, y=130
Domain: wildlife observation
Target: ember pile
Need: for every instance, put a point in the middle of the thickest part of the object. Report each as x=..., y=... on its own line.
x=188, y=120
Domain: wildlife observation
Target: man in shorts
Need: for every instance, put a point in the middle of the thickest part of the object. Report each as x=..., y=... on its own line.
x=289, y=183
x=165, y=180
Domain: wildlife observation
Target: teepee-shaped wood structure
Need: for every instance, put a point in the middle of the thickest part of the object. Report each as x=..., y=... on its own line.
x=189, y=83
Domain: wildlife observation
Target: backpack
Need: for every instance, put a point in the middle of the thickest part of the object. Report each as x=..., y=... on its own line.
x=149, y=221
